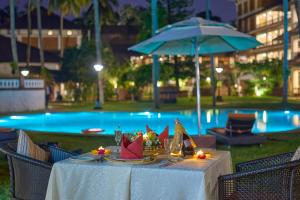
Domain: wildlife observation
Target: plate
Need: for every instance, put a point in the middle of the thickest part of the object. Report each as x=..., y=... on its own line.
x=82, y=158
x=144, y=161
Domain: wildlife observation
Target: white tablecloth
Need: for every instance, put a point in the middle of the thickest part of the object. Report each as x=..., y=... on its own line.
x=188, y=179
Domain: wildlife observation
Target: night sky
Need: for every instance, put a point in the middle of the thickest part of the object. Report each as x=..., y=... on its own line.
x=222, y=8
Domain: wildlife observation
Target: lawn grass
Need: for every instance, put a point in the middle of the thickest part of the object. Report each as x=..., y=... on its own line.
x=185, y=103
x=277, y=143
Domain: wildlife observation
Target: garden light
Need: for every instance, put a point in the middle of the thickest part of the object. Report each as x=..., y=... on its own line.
x=219, y=70
x=98, y=67
x=25, y=72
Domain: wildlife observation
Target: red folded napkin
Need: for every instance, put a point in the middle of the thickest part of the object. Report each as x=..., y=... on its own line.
x=148, y=129
x=164, y=135
x=131, y=150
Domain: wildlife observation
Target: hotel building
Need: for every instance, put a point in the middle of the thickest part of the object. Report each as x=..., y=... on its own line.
x=264, y=20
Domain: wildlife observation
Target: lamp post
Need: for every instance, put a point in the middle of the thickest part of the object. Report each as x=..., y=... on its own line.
x=24, y=73
x=98, y=68
x=219, y=70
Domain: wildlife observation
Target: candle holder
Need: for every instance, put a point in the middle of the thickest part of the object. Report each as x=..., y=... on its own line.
x=200, y=155
x=101, y=151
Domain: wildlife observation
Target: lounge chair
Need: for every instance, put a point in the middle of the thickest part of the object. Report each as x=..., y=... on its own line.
x=8, y=135
x=238, y=131
x=271, y=178
x=205, y=141
x=29, y=177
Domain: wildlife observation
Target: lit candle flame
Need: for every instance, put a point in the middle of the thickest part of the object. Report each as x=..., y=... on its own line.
x=200, y=153
x=100, y=148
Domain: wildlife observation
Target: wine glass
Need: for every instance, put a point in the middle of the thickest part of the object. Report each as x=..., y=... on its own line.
x=179, y=145
x=118, y=136
x=167, y=146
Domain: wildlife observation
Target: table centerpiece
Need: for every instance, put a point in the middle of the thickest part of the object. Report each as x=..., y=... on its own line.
x=152, y=144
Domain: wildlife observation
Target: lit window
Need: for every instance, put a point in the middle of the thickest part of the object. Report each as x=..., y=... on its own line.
x=261, y=57
x=50, y=32
x=69, y=32
x=262, y=38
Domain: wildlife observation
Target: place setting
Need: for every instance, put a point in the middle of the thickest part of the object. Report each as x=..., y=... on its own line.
x=148, y=149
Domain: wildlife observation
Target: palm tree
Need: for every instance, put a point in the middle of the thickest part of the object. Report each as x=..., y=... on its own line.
x=13, y=35
x=40, y=36
x=97, y=23
x=28, y=33
x=66, y=7
x=106, y=7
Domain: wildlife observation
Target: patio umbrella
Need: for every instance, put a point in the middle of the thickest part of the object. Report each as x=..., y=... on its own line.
x=193, y=37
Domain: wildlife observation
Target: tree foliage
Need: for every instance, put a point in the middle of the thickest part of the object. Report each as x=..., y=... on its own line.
x=141, y=17
x=177, y=10
x=77, y=64
x=77, y=68
x=270, y=69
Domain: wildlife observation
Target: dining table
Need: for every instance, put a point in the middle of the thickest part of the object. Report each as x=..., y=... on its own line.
x=186, y=178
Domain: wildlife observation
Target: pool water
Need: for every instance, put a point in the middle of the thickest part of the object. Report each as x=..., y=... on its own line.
x=75, y=122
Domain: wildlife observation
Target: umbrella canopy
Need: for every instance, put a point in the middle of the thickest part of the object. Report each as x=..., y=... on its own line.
x=193, y=37
x=213, y=38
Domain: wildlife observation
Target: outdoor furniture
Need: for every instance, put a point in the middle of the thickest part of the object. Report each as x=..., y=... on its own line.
x=187, y=179
x=204, y=141
x=274, y=178
x=168, y=94
x=8, y=135
x=238, y=131
x=29, y=177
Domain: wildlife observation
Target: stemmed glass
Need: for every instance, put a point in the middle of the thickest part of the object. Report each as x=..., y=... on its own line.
x=167, y=146
x=118, y=136
x=179, y=145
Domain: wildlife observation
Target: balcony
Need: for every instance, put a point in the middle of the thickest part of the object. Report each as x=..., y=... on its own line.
x=269, y=22
x=6, y=84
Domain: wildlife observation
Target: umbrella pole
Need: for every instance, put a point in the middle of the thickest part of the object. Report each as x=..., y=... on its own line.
x=197, y=68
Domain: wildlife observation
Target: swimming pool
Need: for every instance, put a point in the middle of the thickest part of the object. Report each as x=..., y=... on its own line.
x=75, y=122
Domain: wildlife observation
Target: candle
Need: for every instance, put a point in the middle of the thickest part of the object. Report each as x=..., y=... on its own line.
x=94, y=152
x=101, y=151
x=107, y=151
x=200, y=154
x=208, y=155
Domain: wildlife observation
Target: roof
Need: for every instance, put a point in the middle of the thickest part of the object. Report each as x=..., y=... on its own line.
x=6, y=54
x=4, y=17
x=49, y=21
x=121, y=29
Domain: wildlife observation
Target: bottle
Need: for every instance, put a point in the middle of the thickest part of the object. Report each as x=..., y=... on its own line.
x=187, y=147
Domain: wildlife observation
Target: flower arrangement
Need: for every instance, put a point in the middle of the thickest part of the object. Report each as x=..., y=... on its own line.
x=150, y=139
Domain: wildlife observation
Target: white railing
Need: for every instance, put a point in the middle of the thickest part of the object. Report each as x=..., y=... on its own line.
x=28, y=84
x=9, y=83
x=34, y=83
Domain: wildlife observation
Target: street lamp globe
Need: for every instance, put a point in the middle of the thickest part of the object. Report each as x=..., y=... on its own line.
x=98, y=67
x=25, y=72
x=219, y=70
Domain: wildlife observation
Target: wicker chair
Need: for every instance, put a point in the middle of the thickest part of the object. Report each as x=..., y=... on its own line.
x=29, y=177
x=270, y=178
